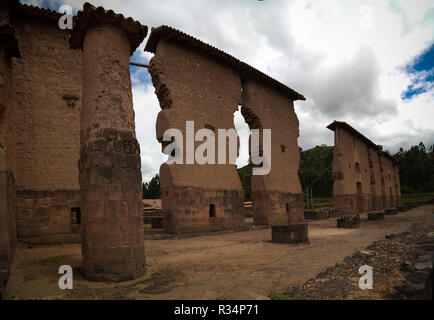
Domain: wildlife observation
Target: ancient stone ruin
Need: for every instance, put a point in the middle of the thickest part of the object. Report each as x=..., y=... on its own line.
x=109, y=164
x=290, y=233
x=70, y=160
x=365, y=177
x=350, y=222
x=202, y=197
x=69, y=157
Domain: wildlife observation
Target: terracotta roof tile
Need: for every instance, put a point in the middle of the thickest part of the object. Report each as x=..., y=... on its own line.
x=332, y=126
x=245, y=71
x=91, y=15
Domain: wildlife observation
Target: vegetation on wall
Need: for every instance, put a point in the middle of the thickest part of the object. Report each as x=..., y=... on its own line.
x=245, y=174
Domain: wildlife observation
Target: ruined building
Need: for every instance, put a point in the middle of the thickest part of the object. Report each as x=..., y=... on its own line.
x=69, y=157
x=195, y=81
x=365, y=177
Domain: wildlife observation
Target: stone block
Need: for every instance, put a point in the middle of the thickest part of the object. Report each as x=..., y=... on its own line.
x=348, y=221
x=157, y=222
x=391, y=211
x=110, y=133
x=375, y=216
x=296, y=232
x=119, y=160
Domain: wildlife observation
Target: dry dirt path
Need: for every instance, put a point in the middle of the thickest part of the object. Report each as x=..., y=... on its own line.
x=239, y=265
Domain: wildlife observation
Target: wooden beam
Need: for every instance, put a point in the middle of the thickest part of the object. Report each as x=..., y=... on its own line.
x=139, y=64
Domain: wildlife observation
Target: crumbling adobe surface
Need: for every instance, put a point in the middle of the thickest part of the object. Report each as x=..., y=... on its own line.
x=109, y=166
x=365, y=177
x=191, y=86
x=277, y=196
x=195, y=81
x=45, y=77
x=8, y=237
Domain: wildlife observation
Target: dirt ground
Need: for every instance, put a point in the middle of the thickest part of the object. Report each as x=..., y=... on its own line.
x=238, y=265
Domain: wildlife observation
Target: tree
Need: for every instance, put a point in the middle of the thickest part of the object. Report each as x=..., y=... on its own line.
x=151, y=189
x=245, y=174
x=416, y=168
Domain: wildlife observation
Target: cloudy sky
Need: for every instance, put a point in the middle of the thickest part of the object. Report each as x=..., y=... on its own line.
x=369, y=63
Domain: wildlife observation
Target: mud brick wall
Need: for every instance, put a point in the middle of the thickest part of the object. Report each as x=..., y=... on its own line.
x=7, y=113
x=192, y=86
x=47, y=93
x=48, y=129
x=276, y=197
x=45, y=217
x=359, y=163
x=8, y=236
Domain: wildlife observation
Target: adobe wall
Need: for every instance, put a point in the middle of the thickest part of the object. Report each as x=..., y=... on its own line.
x=191, y=86
x=47, y=83
x=355, y=162
x=277, y=197
x=390, y=183
x=7, y=160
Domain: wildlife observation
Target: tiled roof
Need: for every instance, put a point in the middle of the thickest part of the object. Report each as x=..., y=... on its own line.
x=245, y=71
x=332, y=126
x=91, y=15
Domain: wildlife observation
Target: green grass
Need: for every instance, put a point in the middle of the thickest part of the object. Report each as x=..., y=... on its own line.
x=417, y=197
x=412, y=197
x=322, y=202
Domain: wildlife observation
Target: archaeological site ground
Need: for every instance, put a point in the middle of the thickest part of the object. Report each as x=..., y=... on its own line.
x=73, y=224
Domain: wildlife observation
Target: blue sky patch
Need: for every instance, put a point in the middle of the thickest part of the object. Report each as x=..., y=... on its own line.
x=421, y=72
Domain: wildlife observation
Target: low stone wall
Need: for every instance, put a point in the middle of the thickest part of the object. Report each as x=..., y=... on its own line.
x=296, y=232
x=348, y=222
x=375, y=215
x=213, y=210
x=157, y=223
x=48, y=217
x=392, y=211
x=320, y=213
x=349, y=204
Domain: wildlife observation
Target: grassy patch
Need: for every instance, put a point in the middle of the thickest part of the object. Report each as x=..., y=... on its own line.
x=417, y=197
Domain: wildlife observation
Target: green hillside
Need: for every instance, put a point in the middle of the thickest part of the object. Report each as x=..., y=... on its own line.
x=313, y=163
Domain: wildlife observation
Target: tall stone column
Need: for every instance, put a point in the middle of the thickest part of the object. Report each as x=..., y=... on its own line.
x=109, y=165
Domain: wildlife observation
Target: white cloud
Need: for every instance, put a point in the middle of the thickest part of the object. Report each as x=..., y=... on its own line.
x=319, y=48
